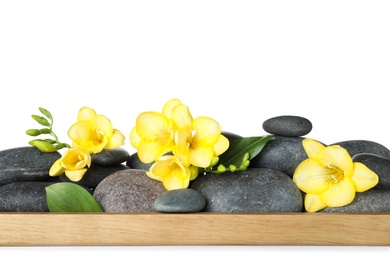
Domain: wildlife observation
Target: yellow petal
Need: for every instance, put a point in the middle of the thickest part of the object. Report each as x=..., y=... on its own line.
x=221, y=145
x=177, y=178
x=79, y=130
x=85, y=113
x=134, y=138
x=311, y=147
x=56, y=169
x=313, y=203
x=151, y=151
x=201, y=157
x=181, y=116
x=207, y=131
x=75, y=175
x=102, y=124
x=339, y=194
x=169, y=106
x=152, y=125
x=363, y=177
x=336, y=156
x=311, y=177
x=117, y=139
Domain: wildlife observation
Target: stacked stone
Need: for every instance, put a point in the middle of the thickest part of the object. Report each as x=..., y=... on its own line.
x=119, y=183
x=24, y=175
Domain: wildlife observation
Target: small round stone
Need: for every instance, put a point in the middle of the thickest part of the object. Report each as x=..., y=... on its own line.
x=293, y=126
x=180, y=201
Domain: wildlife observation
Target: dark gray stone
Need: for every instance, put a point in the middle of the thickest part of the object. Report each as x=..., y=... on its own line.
x=293, y=126
x=110, y=157
x=128, y=190
x=135, y=163
x=374, y=200
x=230, y=136
x=180, y=201
x=283, y=154
x=252, y=190
x=24, y=197
x=25, y=164
x=95, y=174
x=380, y=165
x=355, y=147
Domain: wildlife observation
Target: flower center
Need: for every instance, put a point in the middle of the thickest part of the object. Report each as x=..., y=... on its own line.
x=336, y=175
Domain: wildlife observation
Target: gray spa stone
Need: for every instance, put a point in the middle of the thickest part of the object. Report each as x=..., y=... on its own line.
x=355, y=147
x=110, y=157
x=95, y=174
x=128, y=190
x=25, y=164
x=373, y=200
x=293, y=126
x=180, y=201
x=283, y=154
x=380, y=165
x=24, y=197
x=252, y=190
x=135, y=163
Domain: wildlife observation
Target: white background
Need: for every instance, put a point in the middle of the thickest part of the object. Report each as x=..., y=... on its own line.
x=239, y=62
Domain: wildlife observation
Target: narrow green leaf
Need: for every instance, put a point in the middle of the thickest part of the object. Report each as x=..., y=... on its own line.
x=41, y=120
x=70, y=197
x=46, y=113
x=236, y=153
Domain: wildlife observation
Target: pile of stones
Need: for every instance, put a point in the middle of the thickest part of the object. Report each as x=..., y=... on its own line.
x=118, y=182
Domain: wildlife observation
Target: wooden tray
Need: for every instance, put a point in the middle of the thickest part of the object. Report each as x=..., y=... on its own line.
x=138, y=229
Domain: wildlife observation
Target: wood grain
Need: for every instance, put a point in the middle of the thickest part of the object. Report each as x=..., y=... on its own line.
x=105, y=229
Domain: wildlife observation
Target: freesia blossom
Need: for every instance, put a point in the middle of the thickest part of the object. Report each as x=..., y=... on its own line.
x=200, y=142
x=94, y=132
x=329, y=177
x=153, y=134
x=74, y=163
x=172, y=173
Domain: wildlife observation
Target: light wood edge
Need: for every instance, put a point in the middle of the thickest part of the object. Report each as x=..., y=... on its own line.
x=150, y=229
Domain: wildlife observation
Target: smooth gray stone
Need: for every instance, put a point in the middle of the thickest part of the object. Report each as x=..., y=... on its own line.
x=180, y=201
x=128, y=190
x=374, y=200
x=135, y=163
x=26, y=164
x=110, y=157
x=252, y=190
x=283, y=154
x=24, y=197
x=95, y=174
x=380, y=165
x=293, y=126
x=355, y=147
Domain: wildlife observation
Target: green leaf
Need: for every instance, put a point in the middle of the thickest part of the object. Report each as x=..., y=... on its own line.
x=41, y=120
x=243, y=149
x=70, y=197
x=46, y=113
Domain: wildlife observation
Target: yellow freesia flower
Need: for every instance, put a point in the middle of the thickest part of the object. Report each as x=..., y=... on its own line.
x=172, y=172
x=94, y=132
x=200, y=142
x=153, y=134
x=329, y=177
x=73, y=163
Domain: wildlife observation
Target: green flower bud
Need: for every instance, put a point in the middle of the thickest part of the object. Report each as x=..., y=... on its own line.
x=45, y=131
x=44, y=146
x=214, y=161
x=46, y=113
x=246, y=163
x=41, y=120
x=33, y=132
x=194, y=172
x=245, y=157
x=221, y=169
x=232, y=168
